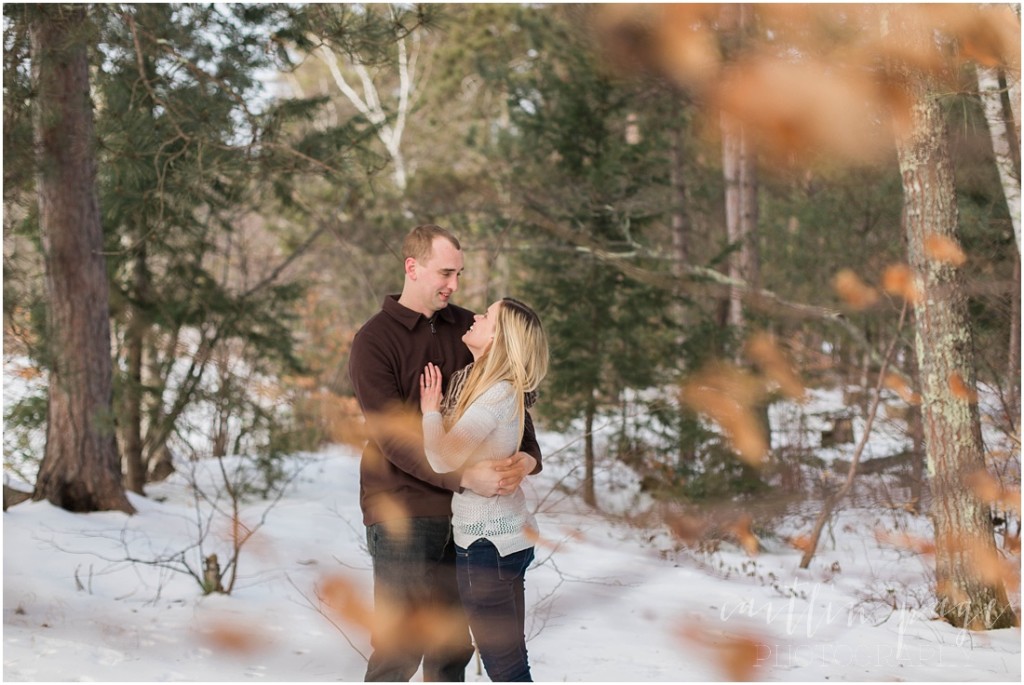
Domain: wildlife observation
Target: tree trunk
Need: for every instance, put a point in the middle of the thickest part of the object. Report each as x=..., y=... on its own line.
x=750, y=258
x=135, y=469
x=681, y=230
x=1012, y=392
x=81, y=469
x=589, y=495
x=680, y=217
x=1003, y=144
x=731, y=165
x=739, y=167
x=390, y=129
x=915, y=429
x=944, y=341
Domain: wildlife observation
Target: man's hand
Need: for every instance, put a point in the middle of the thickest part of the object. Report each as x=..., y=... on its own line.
x=502, y=477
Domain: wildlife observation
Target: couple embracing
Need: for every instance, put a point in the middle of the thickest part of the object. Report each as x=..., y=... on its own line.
x=447, y=524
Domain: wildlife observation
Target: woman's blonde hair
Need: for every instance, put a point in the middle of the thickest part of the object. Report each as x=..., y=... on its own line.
x=518, y=354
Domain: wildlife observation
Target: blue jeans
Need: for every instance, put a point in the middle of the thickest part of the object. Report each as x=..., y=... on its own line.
x=417, y=611
x=492, y=590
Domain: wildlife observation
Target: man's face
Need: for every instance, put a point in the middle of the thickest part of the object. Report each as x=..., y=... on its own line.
x=437, y=278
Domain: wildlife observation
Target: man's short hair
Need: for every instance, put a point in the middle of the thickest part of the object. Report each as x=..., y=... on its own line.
x=419, y=243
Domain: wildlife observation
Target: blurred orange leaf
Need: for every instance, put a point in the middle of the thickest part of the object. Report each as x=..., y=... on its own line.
x=989, y=566
x=803, y=106
x=393, y=515
x=535, y=538
x=989, y=35
x=898, y=279
x=900, y=387
x=736, y=654
x=301, y=382
x=959, y=388
x=346, y=601
x=944, y=249
x=340, y=417
x=726, y=394
x=1012, y=542
x=28, y=372
x=741, y=528
x=853, y=291
x=800, y=542
x=763, y=349
x=988, y=490
x=675, y=40
x=687, y=529
x=904, y=541
x=947, y=590
x=399, y=425
x=231, y=636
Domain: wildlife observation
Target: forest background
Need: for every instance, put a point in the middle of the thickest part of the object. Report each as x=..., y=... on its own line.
x=713, y=208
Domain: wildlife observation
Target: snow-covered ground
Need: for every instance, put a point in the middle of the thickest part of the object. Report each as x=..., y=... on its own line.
x=608, y=601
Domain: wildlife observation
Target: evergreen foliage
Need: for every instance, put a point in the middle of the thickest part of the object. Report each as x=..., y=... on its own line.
x=243, y=223
x=190, y=142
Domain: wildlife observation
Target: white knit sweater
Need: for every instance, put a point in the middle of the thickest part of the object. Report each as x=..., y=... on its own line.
x=488, y=430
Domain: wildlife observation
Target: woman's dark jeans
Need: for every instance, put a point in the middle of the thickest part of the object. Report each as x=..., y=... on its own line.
x=492, y=591
x=419, y=613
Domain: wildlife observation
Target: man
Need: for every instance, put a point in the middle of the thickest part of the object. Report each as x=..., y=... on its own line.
x=406, y=506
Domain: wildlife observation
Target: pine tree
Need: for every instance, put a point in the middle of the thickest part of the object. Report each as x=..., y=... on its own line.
x=582, y=179
x=195, y=157
x=81, y=469
x=963, y=527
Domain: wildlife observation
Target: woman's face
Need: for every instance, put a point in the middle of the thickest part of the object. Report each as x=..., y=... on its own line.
x=481, y=333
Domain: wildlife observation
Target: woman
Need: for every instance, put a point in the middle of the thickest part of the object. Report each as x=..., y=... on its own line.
x=484, y=420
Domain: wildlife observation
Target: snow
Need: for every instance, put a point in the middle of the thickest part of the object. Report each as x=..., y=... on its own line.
x=612, y=595
x=608, y=601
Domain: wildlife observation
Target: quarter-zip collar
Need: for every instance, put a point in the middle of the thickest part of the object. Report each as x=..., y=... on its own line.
x=410, y=318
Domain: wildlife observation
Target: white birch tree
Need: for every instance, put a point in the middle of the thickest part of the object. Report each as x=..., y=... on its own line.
x=739, y=168
x=1006, y=154
x=388, y=113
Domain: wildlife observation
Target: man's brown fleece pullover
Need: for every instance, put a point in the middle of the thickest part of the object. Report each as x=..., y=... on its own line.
x=387, y=357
